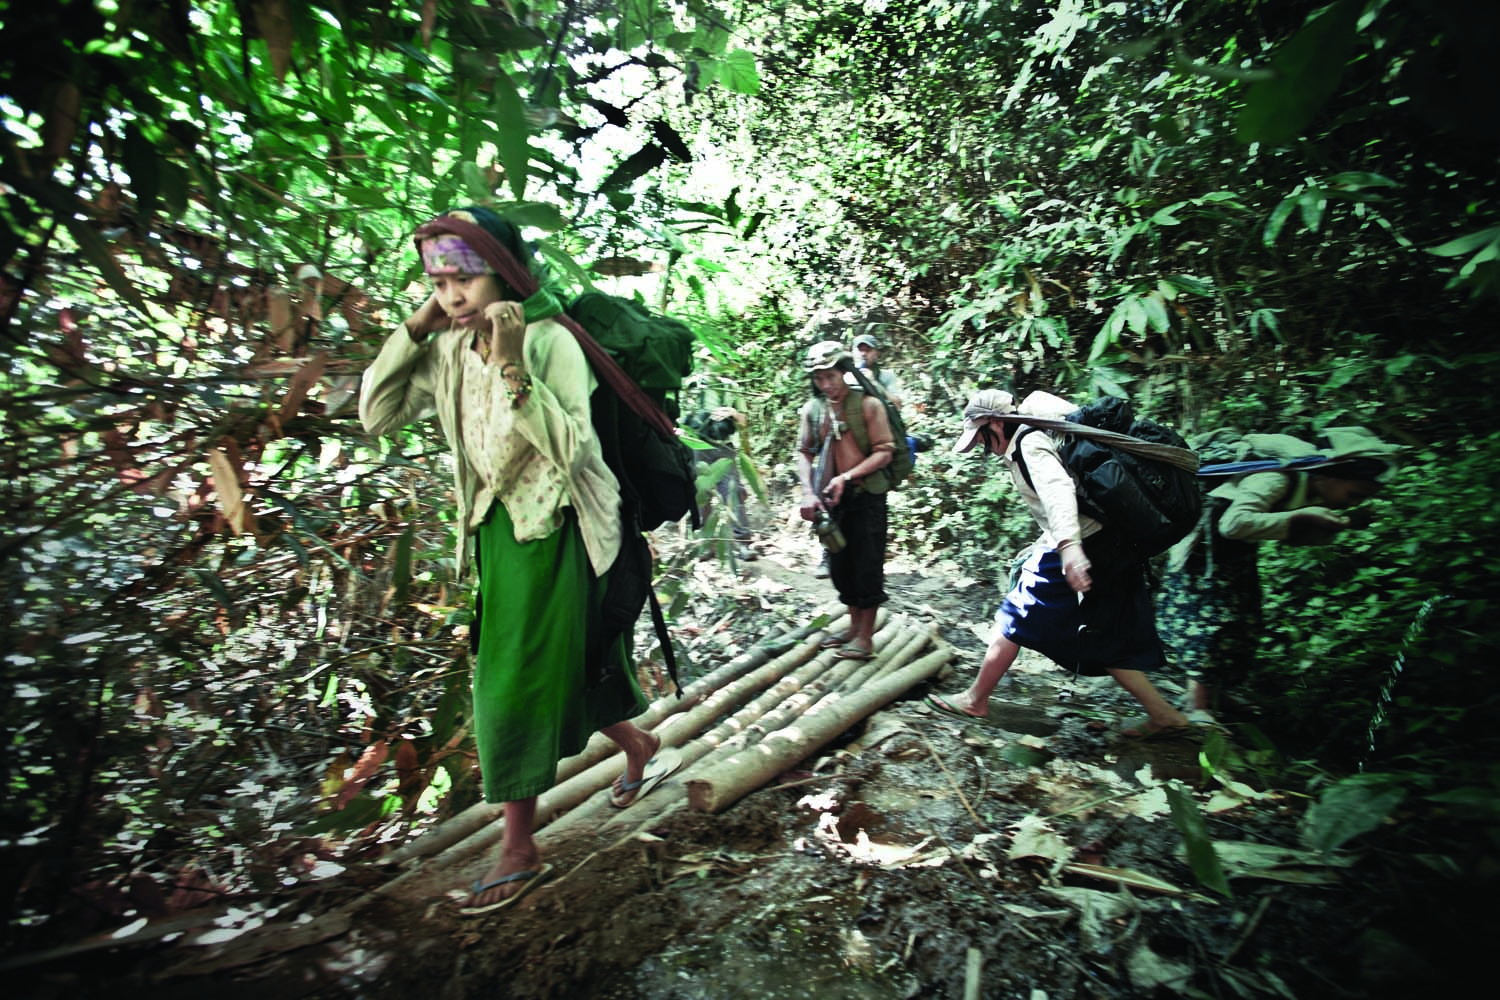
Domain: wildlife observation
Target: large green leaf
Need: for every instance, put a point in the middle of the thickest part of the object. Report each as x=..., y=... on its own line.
x=1307, y=71
x=1277, y=219
x=560, y=256
x=476, y=185
x=737, y=72
x=1348, y=809
x=1190, y=284
x=1312, y=202
x=1136, y=316
x=1109, y=333
x=512, y=138
x=335, y=77
x=538, y=215
x=1156, y=312
x=1469, y=243
x=1200, y=846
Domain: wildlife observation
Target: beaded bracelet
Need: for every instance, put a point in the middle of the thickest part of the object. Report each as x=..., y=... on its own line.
x=517, y=386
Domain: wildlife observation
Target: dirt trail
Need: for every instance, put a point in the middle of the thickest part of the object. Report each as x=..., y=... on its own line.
x=1029, y=855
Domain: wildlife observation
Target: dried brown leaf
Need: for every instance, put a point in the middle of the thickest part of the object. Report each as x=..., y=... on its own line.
x=231, y=499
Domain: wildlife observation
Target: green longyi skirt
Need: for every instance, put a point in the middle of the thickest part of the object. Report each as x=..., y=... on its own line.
x=532, y=705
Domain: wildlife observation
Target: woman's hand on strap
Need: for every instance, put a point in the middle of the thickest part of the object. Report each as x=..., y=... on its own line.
x=507, y=331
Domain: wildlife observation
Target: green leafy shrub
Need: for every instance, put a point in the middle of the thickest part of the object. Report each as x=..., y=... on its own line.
x=1381, y=646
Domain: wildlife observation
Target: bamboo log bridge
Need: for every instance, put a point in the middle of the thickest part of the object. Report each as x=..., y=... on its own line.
x=737, y=728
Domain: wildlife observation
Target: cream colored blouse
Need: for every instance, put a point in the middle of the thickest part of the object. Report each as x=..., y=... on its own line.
x=510, y=468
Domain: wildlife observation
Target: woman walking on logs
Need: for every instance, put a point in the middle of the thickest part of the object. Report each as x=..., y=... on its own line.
x=510, y=387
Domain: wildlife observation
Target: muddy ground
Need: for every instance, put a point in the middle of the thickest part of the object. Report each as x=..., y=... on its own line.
x=1033, y=856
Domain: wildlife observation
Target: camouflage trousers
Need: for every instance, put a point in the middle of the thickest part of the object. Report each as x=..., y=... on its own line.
x=1209, y=612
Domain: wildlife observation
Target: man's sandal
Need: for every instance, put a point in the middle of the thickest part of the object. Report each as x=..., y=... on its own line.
x=835, y=641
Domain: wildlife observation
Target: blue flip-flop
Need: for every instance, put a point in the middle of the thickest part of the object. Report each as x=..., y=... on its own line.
x=943, y=705
x=657, y=770
x=528, y=879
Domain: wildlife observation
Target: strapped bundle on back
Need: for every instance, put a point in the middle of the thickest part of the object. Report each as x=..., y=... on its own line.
x=656, y=471
x=1229, y=454
x=1137, y=476
x=639, y=360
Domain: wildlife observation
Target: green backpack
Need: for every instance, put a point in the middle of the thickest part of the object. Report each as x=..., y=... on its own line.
x=656, y=473
x=890, y=477
x=655, y=469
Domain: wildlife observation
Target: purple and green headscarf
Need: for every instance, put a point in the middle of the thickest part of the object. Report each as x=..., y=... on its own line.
x=475, y=240
x=449, y=254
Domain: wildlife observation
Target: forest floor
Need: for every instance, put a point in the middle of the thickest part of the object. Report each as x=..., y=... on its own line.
x=1030, y=855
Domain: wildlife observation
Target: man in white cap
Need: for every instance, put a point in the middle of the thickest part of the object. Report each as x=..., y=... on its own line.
x=1081, y=598
x=844, y=443
x=867, y=357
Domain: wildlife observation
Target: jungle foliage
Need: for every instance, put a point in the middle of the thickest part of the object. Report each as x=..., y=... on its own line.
x=232, y=621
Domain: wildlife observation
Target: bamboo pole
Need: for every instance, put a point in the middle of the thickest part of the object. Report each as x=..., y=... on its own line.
x=781, y=710
x=482, y=814
x=931, y=638
x=899, y=658
x=701, y=744
x=731, y=780
x=679, y=730
x=773, y=710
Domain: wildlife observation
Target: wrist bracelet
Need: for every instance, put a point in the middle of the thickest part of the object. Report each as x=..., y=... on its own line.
x=517, y=387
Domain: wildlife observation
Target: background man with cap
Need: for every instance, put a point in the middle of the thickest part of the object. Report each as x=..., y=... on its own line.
x=843, y=441
x=1081, y=598
x=867, y=357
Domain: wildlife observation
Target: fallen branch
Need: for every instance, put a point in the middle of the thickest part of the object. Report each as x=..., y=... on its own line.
x=952, y=782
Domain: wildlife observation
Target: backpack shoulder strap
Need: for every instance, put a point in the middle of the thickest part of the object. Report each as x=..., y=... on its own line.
x=664, y=637
x=1019, y=460
x=854, y=416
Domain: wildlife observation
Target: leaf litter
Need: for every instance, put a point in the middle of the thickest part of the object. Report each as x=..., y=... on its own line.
x=919, y=856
